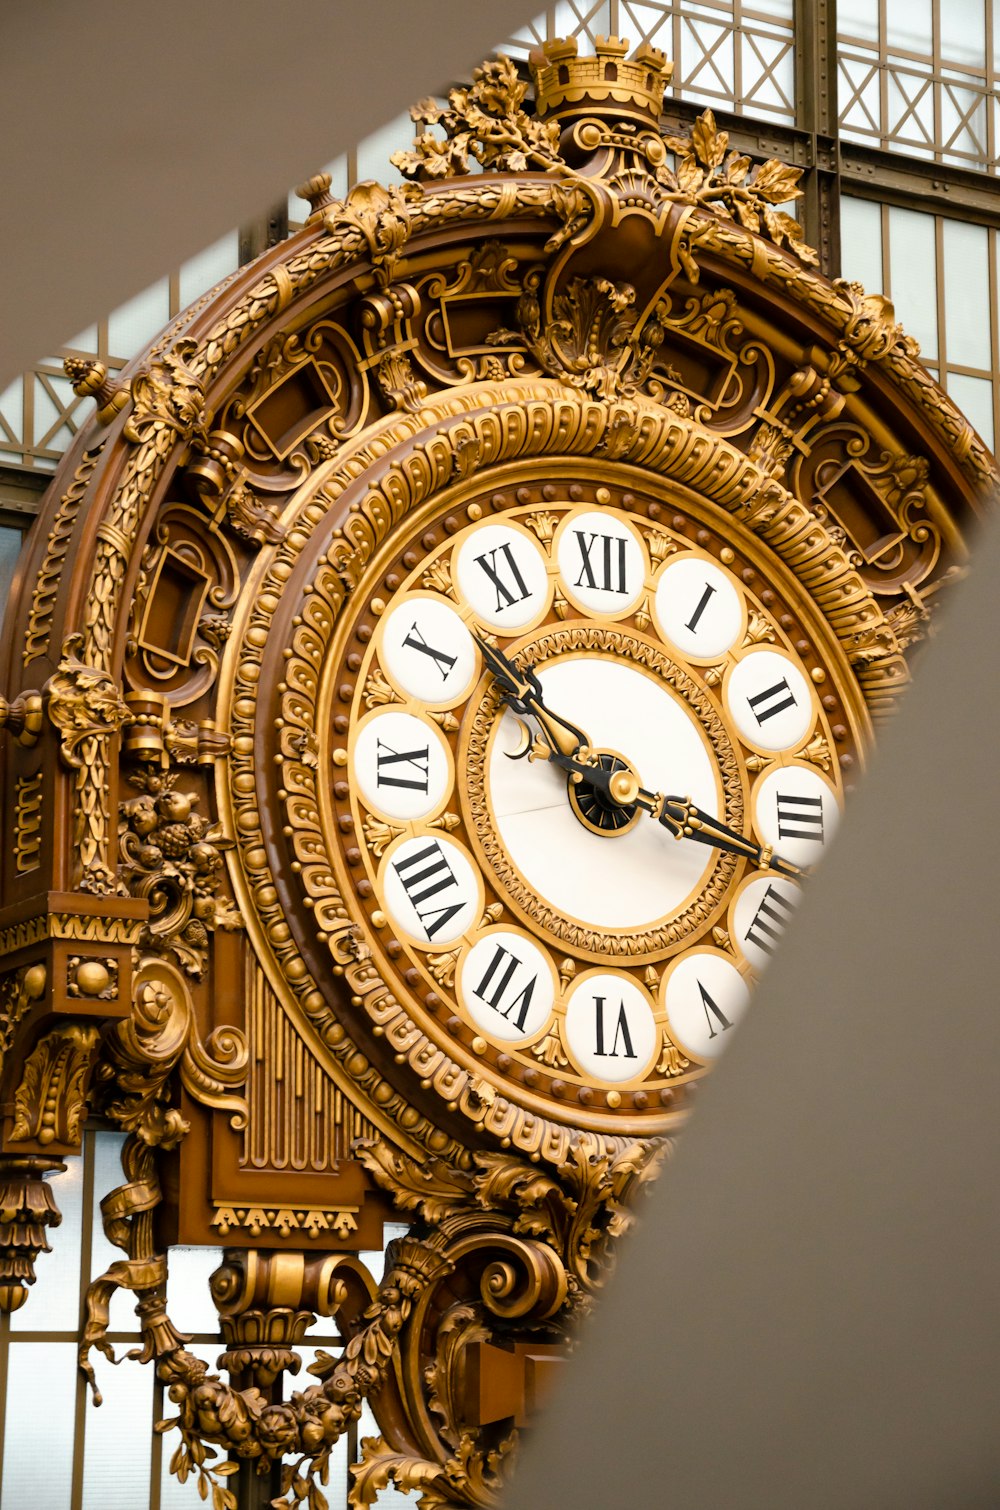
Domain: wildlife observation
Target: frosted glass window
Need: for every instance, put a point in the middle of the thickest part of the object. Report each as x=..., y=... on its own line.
x=783, y=10
x=974, y=396
x=913, y=274
x=703, y=65
x=963, y=123
x=108, y=1176
x=771, y=82
x=203, y=272
x=374, y=152
x=38, y=1430
x=85, y=341
x=118, y=1440
x=858, y=18
x=189, y=1299
x=582, y=19
x=133, y=325
x=51, y=430
x=861, y=243
x=963, y=31
x=53, y=1303
x=12, y=410
x=908, y=24
x=967, y=294
x=650, y=23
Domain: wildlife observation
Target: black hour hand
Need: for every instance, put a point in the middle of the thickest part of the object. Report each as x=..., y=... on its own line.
x=521, y=690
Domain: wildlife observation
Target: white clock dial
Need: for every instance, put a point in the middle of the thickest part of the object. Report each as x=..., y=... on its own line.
x=602, y=563
x=428, y=652
x=402, y=765
x=698, y=608
x=506, y=985
x=631, y=880
x=705, y=997
x=770, y=701
x=763, y=911
x=503, y=576
x=432, y=890
x=796, y=811
x=610, y=1030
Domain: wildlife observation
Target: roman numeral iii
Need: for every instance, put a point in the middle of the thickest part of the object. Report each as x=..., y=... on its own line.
x=800, y=817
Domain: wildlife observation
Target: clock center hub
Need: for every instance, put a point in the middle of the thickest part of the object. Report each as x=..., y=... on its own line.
x=606, y=810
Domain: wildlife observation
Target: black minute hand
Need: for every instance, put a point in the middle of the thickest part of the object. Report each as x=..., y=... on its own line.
x=686, y=821
x=521, y=690
x=678, y=815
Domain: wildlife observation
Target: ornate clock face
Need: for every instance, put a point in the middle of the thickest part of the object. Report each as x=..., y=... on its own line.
x=566, y=948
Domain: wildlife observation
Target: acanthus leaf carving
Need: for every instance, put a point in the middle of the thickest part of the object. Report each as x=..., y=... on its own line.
x=484, y=121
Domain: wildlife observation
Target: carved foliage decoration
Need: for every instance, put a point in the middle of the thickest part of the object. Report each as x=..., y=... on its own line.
x=707, y=173
x=172, y=856
x=485, y=122
x=50, y=1103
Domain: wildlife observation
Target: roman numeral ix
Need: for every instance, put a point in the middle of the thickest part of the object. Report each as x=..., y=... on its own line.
x=606, y=562
x=425, y=874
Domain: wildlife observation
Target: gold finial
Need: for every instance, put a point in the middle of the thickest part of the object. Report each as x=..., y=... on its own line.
x=317, y=191
x=567, y=84
x=90, y=380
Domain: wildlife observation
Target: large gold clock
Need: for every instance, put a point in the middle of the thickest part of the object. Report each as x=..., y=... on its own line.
x=577, y=742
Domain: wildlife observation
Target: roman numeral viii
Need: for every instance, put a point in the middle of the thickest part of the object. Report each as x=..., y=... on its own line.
x=498, y=980
x=407, y=768
x=603, y=565
x=443, y=662
x=506, y=577
x=425, y=874
x=800, y=817
x=769, y=921
x=774, y=700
